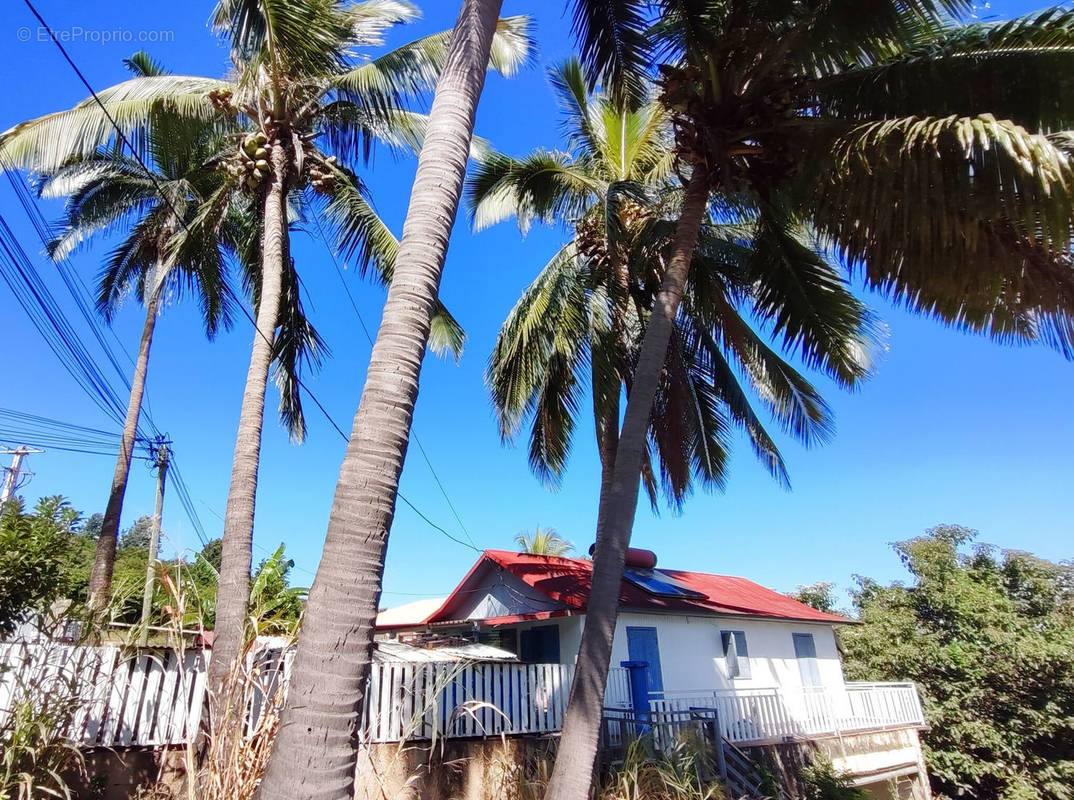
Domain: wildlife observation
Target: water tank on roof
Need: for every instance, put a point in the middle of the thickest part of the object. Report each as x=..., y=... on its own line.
x=636, y=557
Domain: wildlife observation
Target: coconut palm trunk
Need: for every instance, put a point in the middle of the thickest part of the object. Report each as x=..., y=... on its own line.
x=573, y=772
x=315, y=752
x=608, y=443
x=104, y=558
x=233, y=594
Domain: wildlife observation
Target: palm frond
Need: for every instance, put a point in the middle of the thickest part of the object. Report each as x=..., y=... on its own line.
x=126, y=269
x=719, y=383
x=541, y=186
x=351, y=130
x=446, y=335
x=571, y=86
x=807, y=303
x=388, y=80
x=297, y=347
x=549, y=316
x=142, y=65
x=101, y=194
x=360, y=233
x=612, y=45
x=371, y=19
x=47, y=143
x=292, y=37
x=966, y=218
x=1021, y=69
x=794, y=402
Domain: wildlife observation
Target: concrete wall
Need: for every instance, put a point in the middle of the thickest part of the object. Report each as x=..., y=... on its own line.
x=116, y=774
x=691, y=652
x=458, y=769
x=887, y=765
x=495, y=769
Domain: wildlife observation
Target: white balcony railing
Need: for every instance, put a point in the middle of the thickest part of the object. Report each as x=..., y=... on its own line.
x=755, y=715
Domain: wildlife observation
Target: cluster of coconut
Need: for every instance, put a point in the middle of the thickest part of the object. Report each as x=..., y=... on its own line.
x=323, y=179
x=222, y=100
x=252, y=165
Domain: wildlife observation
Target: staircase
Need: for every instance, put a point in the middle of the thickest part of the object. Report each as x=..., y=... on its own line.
x=740, y=775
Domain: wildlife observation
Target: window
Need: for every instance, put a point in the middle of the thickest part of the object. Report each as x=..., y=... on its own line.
x=805, y=650
x=503, y=638
x=539, y=645
x=734, y=650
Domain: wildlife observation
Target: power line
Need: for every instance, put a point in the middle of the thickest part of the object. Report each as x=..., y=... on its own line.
x=125, y=142
x=37, y=301
x=369, y=338
x=75, y=285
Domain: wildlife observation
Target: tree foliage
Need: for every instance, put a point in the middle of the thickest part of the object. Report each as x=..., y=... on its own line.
x=581, y=321
x=819, y=595
x=137, y=535
x=47, y=555
x=988, y=636
x=34, y=569
x=544, y=542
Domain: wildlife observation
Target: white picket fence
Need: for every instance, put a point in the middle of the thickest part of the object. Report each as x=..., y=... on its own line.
x=755, y=715
x=156, y=697
x=123, y=698
x=425, y=701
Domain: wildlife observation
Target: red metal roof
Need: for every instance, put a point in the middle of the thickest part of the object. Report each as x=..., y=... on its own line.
x=567, y=581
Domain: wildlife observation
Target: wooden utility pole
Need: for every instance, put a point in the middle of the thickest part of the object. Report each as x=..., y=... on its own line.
x=160, y=454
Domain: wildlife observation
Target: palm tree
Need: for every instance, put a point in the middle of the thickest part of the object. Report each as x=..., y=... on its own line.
x=315, y=753
x=311, y=107
x=309, y=113
x=544, y=542
x=587, y=309
x=103, y=191
x=925, y=155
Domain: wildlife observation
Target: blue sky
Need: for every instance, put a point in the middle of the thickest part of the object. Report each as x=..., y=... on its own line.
x=952, y=428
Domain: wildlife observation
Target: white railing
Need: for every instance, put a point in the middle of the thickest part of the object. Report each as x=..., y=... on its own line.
x=617, y=692
x=117, y=698
x=756, y=715
x=156, y=697
x=425, y=701
x=428, y=700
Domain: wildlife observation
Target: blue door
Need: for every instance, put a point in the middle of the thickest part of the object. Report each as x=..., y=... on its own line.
x=642, y=646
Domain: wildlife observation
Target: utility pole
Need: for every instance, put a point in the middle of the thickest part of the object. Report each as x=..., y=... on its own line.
x=159, y=451
x=12, y=473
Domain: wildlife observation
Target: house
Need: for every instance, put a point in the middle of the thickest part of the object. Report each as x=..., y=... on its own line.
x=767, y=666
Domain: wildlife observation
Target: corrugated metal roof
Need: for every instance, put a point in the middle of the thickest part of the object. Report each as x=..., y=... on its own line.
x=387, y=650
x=409, y=613
x=567, y=581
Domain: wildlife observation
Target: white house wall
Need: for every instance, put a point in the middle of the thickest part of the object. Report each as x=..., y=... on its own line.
x=691, y=653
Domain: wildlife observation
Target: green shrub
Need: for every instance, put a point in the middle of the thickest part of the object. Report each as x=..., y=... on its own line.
x=821, y=781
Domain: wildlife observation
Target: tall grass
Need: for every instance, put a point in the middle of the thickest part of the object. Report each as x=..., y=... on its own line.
x=227, y=760
x=682, y=771
x=41, y=701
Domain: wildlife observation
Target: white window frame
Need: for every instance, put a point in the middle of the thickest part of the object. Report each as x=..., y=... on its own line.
x=738, y=665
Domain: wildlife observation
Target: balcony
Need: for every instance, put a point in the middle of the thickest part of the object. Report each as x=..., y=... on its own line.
x=755, y=716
